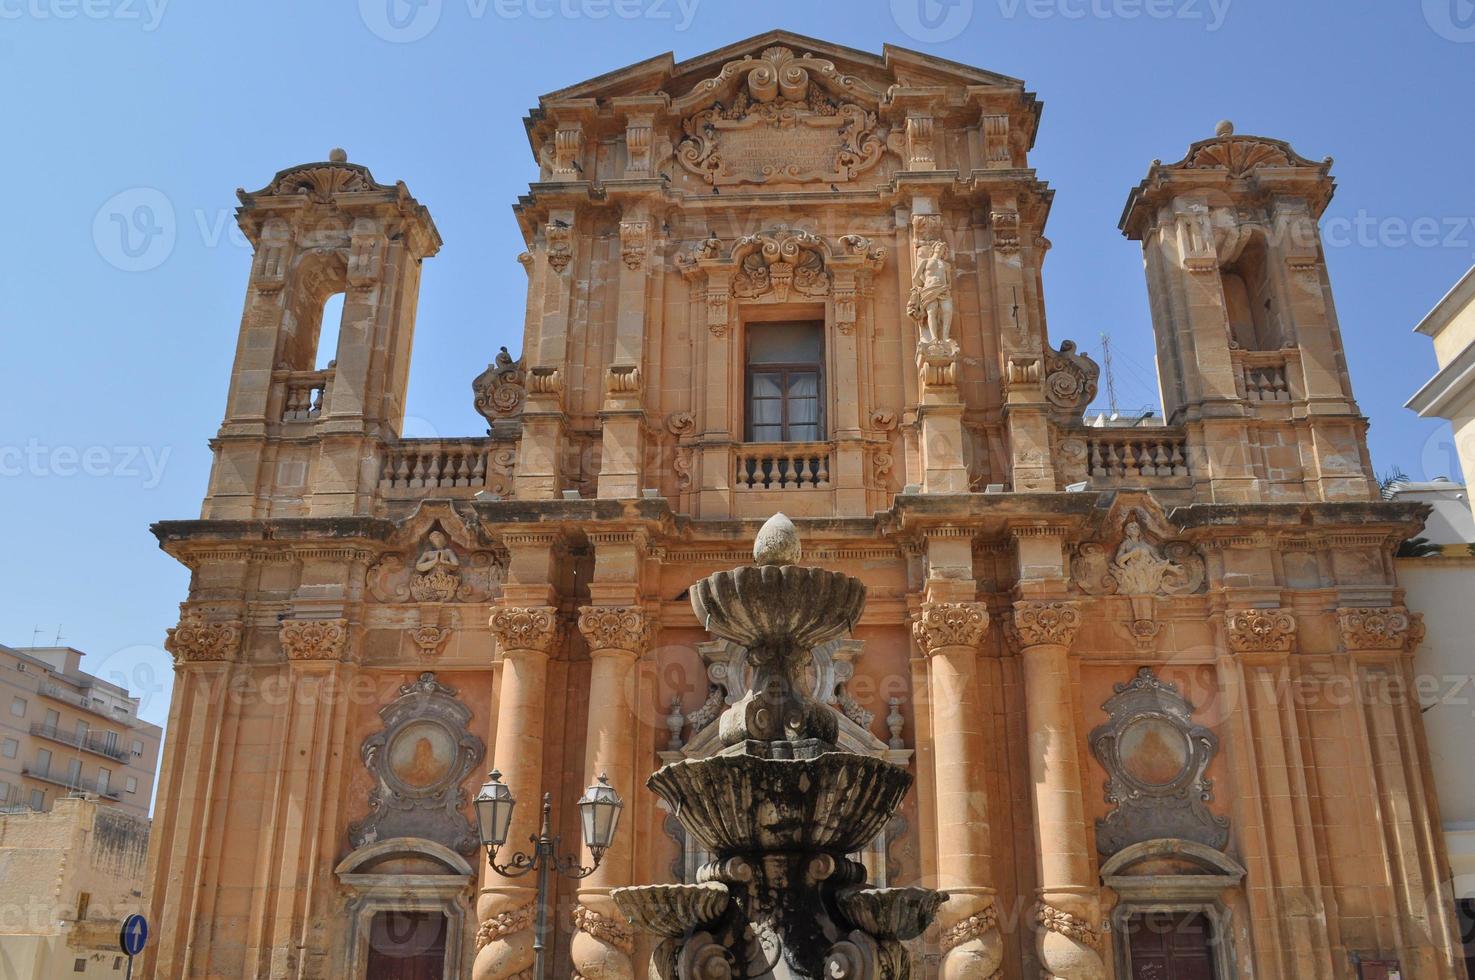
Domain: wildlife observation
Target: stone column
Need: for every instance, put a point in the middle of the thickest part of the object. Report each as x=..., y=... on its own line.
x=1068, y=914
x=617, y=637
x=950, y=634
x=506, y=907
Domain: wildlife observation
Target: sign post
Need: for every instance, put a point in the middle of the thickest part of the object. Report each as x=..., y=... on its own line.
x=132, y=937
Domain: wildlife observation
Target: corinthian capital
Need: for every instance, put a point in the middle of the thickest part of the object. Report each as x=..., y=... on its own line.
x=314, y=639
x=1036, y=623
x=950, y=624
x=195, y=640
x=525, y=627
x=1260, y=630
x=615, y=627
x=1385, y=628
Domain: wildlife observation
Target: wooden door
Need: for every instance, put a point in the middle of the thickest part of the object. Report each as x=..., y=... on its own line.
x=407, y=946
x=1171, y=946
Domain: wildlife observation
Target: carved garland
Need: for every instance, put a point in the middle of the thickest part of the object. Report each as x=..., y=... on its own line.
x=973, y=927
x=1069, y=925
x=505, y=924
x=525, y=628
x=604, y=928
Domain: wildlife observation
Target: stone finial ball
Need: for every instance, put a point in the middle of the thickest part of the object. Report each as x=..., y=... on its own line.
x=777, y=542
x=337, y=155
x=1225, y=128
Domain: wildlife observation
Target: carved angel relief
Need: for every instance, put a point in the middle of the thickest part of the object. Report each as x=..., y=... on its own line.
x=1138, y=566
x=1155, y=758
x=780, y=118
x=419, y=759
x=440, y=573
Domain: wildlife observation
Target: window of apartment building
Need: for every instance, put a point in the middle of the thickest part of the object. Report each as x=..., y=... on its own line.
x=43, y=761
x=103, y=776
x=38, y=799
x=53, y=718
x=79, y=966
x=82, y=729
x=785, y=378
x=4, y=792
x=131, y=784
x=10, y=748
x=74, y=773
x=137, y=748
x=18, y=707
x=84, y=900
x=110, y=741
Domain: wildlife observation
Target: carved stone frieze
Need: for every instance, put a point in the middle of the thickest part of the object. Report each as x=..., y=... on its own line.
x=500, y=390
x=441, y=571
x=615, y=627
x=314, y=639
x=559, y=236
x=1155, y=757
x=197, y=640
x=1037, y=622
x=943, y=625
x=1385, y=628
x=777, y=263
x=634, y=243
x=1139, y=566
x=419, y=759
x=1260, y=630
x=779, y=118
x=525, y=627
x=430, y=639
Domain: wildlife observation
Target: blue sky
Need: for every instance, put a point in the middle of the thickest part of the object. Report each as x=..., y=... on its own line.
x=115, y=360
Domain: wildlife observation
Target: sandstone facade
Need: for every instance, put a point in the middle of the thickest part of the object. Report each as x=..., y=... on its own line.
x=1144, y=676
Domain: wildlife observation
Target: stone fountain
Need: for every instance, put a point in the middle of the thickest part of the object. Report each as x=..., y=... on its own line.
x=780, y=808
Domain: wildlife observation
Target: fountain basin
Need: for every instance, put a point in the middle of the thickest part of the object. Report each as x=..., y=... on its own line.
x=671, y=910
x=836, y=801
x=892, y=913
x=778, y=606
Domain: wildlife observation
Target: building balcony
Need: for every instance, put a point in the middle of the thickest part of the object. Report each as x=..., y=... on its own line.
x=414, y=468
x=783, y=466
x=1146, y=457
x=74, y=699
x=78, y=786
x=93, y=742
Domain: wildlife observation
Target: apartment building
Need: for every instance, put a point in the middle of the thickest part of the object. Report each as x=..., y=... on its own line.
x=65, y=732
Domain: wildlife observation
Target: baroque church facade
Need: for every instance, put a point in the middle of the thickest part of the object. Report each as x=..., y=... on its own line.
x=1153, y=681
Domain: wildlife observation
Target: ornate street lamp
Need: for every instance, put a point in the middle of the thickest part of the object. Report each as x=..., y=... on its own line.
x=599, y=815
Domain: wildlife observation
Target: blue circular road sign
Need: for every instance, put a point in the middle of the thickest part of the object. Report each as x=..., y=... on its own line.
x=134, y=934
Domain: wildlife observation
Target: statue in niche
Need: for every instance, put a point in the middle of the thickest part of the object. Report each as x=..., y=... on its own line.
x=437, y=571
x=1138, y=567
x=931, y=300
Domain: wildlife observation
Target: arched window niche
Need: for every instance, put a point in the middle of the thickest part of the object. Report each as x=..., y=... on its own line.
x=395, y=889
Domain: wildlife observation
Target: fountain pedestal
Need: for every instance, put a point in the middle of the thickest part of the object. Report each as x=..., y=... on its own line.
x=780, y=807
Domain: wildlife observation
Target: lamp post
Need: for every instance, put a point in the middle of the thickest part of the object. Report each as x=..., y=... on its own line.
x=599, y=817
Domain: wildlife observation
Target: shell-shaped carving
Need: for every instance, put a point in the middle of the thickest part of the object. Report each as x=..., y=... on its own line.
x=892, y=913
x=835, y=802
x=671, y=910
x=771, y=606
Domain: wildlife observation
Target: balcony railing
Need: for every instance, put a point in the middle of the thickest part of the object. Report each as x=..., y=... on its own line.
x=73, y=785
x=415, y=464
x=83, y=701
x=1132, y=454
x=91, y=742
x=783, y=466
x=303, y=391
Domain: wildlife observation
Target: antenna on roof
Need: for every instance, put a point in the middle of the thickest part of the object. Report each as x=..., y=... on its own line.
x=1110, y=374
x=57, y=642
x=35, y=633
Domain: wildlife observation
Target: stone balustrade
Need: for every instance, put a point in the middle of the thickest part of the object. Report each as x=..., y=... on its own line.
x=1136, y=455
x=303, y=393
x=1264, y=376
x=415, y=467
x=783, y=466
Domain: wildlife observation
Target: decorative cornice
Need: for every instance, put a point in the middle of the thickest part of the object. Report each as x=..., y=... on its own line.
x=1069, y=925
x=604, y=928
x=1037, y=623
x=505, y=924
x=1384, y=628
x=1260, y=630
x=950, y=624
x=314, y=639
x=615, y=627
x=195, y=641
x=973, y=927
x=525, y=627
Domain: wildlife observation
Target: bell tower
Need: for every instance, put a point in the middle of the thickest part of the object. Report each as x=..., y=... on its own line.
x=301, y=423
x=1249, y=351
